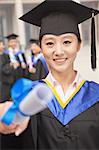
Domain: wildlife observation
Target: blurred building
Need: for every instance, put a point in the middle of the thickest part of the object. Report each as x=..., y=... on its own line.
x=10, y=11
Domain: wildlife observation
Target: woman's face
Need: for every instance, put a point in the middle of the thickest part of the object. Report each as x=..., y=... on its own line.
x=60, y=51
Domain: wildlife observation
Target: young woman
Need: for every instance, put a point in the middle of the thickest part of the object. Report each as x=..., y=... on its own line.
x=71, y=120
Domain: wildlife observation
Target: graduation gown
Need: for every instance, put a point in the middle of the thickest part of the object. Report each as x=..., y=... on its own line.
x=82, y=133
x=74, y=127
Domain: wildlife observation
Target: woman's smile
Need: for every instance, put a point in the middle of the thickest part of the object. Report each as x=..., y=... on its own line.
x=60, y=60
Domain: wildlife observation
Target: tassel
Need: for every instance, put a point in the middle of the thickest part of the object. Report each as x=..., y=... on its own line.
x=93, y=43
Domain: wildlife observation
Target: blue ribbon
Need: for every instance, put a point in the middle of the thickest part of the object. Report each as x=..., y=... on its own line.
x=20, y=89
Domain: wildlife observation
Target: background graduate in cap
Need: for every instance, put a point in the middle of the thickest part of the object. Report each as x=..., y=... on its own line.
x=12, y=45
x=16, y=55
x=33, y=44
x=71, y=120
x=11, y=68
x=38, y=57
x=37, y=68
x=6, y=69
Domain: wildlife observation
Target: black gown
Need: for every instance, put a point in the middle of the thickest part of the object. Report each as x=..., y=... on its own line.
x=80, y=134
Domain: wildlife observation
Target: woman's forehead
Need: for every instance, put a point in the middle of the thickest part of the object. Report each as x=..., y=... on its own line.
x=66, y=35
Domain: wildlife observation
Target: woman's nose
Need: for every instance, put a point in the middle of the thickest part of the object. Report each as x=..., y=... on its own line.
x=59, y=50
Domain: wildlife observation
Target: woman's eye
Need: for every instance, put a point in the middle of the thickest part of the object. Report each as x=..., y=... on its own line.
x=49, y=43
x=67, y=42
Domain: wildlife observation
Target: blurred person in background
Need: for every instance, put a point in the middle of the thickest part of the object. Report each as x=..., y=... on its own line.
x=11, y=69
x=29, y=55
x=37, y=68
x=6, y=73
x=14, y=51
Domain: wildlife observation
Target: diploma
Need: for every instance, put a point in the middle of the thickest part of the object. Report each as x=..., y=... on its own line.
x=29, y=98
x=34, y=102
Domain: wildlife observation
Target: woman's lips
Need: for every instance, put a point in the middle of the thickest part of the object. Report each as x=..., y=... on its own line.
x=60, y=60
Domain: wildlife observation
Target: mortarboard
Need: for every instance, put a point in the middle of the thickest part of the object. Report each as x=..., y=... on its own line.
x=11, y=36
x=62, y=16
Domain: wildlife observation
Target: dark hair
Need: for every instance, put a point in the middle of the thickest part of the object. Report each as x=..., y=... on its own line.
x=79, y=40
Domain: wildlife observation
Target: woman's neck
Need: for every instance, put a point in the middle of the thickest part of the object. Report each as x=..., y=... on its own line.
x=65, y=79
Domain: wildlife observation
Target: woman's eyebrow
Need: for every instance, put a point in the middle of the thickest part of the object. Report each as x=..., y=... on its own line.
x=67, y=36
x=49, y=38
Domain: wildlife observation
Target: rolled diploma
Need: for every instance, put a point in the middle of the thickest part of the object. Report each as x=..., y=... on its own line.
x=34, y=102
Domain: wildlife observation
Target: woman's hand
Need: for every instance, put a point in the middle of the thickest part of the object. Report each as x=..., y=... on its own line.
x=4, y=129
x=13, y=128
x=21, y=127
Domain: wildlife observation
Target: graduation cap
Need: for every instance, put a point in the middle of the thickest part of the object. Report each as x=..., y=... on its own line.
x=62, y=16
x=31, y=41
x=11, y=36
